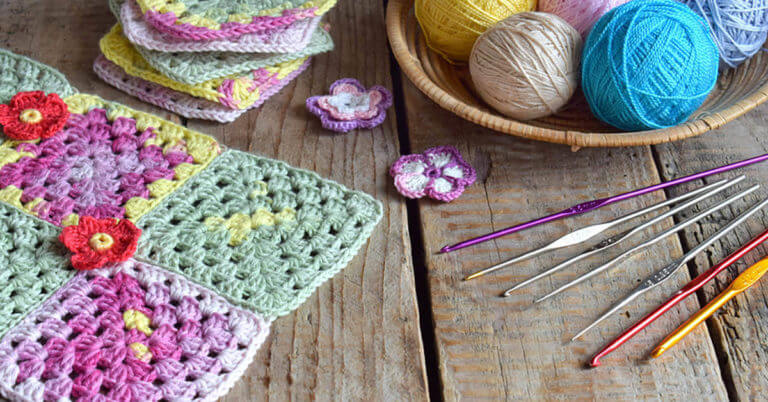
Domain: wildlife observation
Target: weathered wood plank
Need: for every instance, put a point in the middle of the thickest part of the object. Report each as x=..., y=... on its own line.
x=493, y=348
x=739, y=329
x=358, y=337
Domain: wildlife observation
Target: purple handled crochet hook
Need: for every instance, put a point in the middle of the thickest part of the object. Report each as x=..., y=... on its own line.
x=595, y=204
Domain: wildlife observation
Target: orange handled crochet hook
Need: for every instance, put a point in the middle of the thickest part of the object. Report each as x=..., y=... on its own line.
x=742, y=283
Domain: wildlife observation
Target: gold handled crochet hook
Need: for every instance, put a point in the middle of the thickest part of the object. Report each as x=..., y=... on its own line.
x=665, y=273
x=742, y=283
x=659, y=237
x=612, y=241
x=581, y=235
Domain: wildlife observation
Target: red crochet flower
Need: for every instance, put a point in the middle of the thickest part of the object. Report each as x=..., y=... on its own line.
x=97, y=242
x=33, y=115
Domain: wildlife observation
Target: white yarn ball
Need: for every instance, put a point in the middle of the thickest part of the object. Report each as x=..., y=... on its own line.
x=527, y=66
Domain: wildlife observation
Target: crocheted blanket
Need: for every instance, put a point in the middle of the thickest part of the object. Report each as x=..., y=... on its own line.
x=229, y=241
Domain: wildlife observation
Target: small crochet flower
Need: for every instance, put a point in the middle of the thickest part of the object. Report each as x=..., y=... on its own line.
x=440, y=173
x=33, y=115
x=351, y=106
x=97, y=242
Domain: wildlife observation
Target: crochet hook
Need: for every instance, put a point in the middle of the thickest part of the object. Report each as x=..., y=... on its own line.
x=742, y=283
x=582, y=235
x=654, y=240
x=681, y=294
x=595, y=204
x=619, y=238
x=665, y=273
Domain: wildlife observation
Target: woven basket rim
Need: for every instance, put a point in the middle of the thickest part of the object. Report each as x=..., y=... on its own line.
x=396, y=16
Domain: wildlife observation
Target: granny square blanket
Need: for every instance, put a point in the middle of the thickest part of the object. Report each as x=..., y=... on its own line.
x=229, y=242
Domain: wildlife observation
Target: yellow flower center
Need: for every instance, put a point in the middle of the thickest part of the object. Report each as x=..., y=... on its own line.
x=30, y=116
x=139, y=321
x=141, y=351
x=101, y=242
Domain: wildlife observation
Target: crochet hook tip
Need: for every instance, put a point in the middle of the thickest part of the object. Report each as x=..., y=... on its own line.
x=446, y=249
x=473, y=276
x=657, y=352
x=595, y=362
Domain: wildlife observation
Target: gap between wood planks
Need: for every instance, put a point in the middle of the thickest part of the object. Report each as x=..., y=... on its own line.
x=720, y=354
x=418, y=254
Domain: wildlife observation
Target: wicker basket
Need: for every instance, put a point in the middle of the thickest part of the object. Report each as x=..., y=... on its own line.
x=737, y=92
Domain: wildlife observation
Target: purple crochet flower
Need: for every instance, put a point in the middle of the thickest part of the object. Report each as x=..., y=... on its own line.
x=351, y=106
x=440, y=173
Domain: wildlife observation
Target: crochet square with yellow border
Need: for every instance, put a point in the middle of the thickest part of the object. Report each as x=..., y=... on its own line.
x=108, y=161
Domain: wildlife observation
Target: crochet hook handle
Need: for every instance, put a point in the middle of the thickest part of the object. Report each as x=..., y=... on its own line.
x=595, y=204
x=742, y=282
x=680, y=295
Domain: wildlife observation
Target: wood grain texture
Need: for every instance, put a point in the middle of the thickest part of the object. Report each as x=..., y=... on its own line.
x=495, y=348
x=740, y=329
x=358, y=337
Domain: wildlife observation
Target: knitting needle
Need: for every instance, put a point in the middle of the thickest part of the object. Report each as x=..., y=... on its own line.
x=618, y=238
x=742, y=283
x=665, y=273
x=581, y=235
x=681, y=294
x=595, y=204
x=659, y=237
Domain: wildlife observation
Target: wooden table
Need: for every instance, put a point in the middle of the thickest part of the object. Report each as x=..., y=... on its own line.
x=398, y=323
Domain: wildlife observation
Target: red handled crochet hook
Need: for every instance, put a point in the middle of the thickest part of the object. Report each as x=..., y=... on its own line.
x=681, y=294
x=595, y=204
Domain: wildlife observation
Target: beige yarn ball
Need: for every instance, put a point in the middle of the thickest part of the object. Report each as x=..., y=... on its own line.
x=527, y=66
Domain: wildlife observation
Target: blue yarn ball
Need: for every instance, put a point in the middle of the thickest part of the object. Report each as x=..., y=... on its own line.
x=648, y=64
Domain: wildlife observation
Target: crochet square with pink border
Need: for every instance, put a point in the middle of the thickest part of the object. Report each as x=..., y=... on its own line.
x=132, y=332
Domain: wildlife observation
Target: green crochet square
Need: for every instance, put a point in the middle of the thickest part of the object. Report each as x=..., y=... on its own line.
x=33, y=264
x=18, y=73
x=257, y=231
x=197, y=67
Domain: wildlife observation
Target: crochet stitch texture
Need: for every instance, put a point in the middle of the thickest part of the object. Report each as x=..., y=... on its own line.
x=179, y=102
x=235, y=91
x=216, y=19
x=196, y=68
x=229, y=242
x=131, y=332
x=286, y=39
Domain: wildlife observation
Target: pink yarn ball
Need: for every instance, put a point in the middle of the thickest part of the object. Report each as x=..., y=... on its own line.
x=581, y=14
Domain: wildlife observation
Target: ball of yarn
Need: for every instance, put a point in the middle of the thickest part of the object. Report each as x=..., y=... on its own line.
x=527, y=66
x=648, y=64
x=740, y=27
x=582, y=14
x=452, y=26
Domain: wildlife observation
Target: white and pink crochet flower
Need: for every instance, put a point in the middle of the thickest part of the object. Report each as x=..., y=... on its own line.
x=440, y=173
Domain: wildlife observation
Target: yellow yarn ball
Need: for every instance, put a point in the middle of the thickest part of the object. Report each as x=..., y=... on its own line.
x=452, y=26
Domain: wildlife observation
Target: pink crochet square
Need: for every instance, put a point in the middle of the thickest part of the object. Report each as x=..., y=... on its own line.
x=94, y=166
x=132, y=332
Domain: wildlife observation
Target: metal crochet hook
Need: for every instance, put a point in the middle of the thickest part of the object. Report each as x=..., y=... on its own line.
x=612, y=241
x=740, y=284
x=680, y=295
x=595, y=204
x=659, y=237
x=581, y=235
x=665, y=273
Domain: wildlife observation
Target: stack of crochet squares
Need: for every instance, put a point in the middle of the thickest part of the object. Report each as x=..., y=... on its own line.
x=210, y=59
